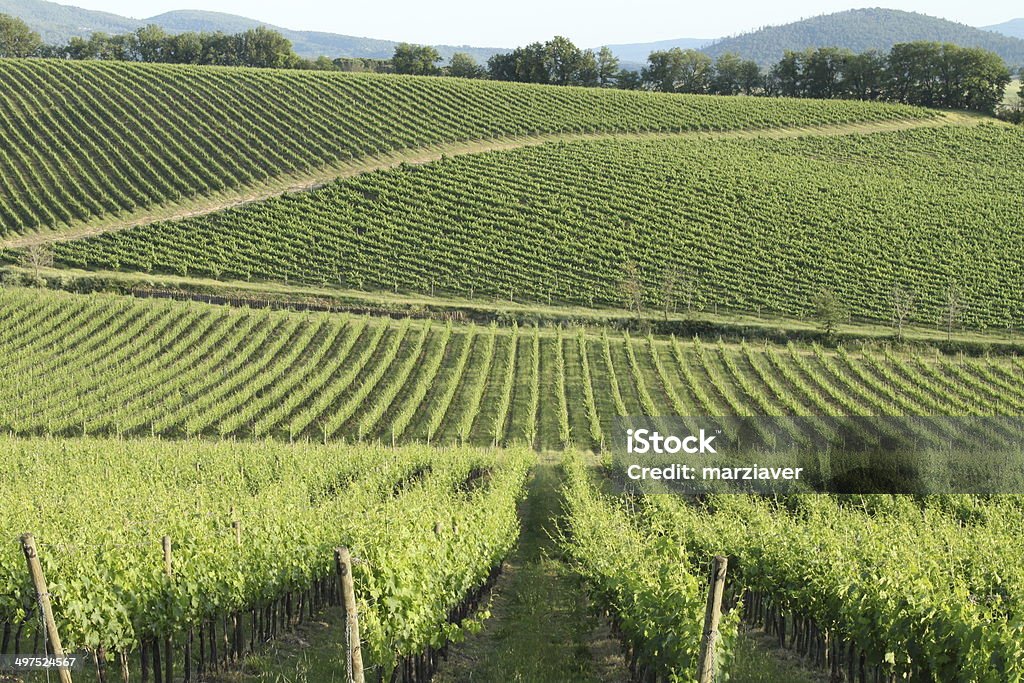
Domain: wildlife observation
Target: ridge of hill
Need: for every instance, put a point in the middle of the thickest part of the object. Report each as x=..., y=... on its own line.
x=1013, y=28
x=90, y=140
x=861, y=30
x=58, y=23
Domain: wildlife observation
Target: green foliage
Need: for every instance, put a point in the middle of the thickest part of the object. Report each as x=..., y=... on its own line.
x=257, y=47
x=829, y=311
x=862, y=30
x=915, y=610
x=16, y=38
x=100, y=541
x=912, y=207
x=416, y=60
x=556, y=62
x=87, y=139
x=677, y=70
x=463, y=65
x=105, y=365
x=655, y=591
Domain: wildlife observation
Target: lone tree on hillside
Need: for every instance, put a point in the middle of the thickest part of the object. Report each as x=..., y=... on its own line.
x=829, y=311
x=902, y=309
x=16, y=38
x=671, y=279
x=631, y=289
x=952, y=310
x=37, y=257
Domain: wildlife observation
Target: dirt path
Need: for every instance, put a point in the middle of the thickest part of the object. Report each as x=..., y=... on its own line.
x=200, y=206
x=542, y=627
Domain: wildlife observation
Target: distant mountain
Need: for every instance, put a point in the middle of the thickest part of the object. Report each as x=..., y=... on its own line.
x=305, y=43
x=637, y=52
x=864, y=29
x=59, y=23
x=1013, y=28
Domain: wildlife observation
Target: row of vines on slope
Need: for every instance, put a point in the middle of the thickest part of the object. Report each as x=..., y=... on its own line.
x=253, y=528
x=76, y=365
x=84, y=140
x=758, y=225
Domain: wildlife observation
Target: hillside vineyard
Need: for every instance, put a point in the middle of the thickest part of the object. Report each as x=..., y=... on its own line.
x=748, y=224
x=104, y=365
x=252, y=529
x=196, y=480
x=85, y=140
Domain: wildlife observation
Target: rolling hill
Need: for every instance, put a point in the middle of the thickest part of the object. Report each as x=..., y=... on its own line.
x=1013, y=28
x=861, y=30
x=636, y=53
x=752, y=224
x=58, y=23
x=97, y=140
x=115, y=365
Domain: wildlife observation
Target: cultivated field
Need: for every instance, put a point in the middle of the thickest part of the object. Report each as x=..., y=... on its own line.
x=87, y=140
x=107, y=365
x=745, y=225
x=259, y=442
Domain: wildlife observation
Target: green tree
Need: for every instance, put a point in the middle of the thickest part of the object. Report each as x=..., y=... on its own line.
x=786, y=78
x=151, y=44
x=864, y=76
x=564, y=61
x=823, y=70
x=627, y=79
x=829, y=311
x=607, y=67
x=734, y=75
x=676, y=70
x=463, y=65
x=263, y=47
x=16, y=38
x=416, y=60
x=631, y=289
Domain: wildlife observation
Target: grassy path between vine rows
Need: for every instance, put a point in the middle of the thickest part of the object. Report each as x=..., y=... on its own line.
x=312, y=179
x=542, y=627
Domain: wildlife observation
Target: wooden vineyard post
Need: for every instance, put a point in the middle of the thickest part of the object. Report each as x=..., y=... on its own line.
x=712, y=615
x=35, y=570
x=343, y=564
x=236, y=618
x=168, y=642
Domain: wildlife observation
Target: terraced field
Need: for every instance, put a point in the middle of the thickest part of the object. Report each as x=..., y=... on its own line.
x=84, y=141
x=100, y=364
x=745, y=224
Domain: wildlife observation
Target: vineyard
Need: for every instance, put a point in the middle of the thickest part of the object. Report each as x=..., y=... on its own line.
x=87, y=140
x=105, y=365
x=252, y=532
x=197, y=480
x=832, y=578
x=747, y=225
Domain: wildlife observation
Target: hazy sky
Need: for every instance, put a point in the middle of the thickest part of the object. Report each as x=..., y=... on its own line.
x=508, y=24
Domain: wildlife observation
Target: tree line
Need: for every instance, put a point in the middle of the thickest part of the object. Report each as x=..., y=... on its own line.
x=921, y=73
x=258, y=47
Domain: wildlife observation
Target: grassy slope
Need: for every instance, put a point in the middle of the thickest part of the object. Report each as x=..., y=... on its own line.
x=84, y=140
x=728, y=323
x=763, y=224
